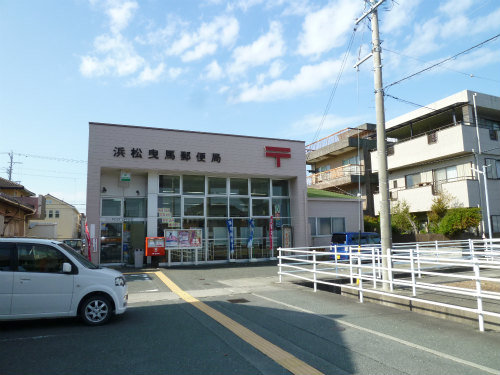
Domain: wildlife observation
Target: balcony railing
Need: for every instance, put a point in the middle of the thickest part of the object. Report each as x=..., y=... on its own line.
x=332, y=138
x=334, y=174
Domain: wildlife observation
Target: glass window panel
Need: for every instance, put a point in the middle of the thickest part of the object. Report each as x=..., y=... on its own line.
x=40, y=258
x=111, y=207
x=324, y=226
x=135, y=207
x=412, y=180
x=216, y=185
x=260, y=207
x=5, y=255
x=217, y=206
x=173, y=204
x=193, y=206
x=193, y=185
x=338, y=224
x=170, y=184
x=283, y=205
x=312, y=225
x=164, y=223
x=260, y=187
x=238, y=207
x=451, y=173
x=239, y=186
x=280, y=188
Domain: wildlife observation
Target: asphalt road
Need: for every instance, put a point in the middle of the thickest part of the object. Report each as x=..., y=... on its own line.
x=162, y=333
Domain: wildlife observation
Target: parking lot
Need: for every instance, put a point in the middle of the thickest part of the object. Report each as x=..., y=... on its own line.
x=237, y=319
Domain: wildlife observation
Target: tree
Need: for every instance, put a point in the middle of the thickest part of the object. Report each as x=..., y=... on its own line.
x=458, y=220
x=402, y=219
x=440, y=205
x=372, y=224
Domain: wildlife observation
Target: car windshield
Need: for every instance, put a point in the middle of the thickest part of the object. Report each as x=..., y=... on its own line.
x=79, y=257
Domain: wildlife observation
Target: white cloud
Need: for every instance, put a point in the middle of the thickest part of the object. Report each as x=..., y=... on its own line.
x=200, y=51
x=309, y=124
x=120, y=14
x=149, y=75
x=222, y=31
x=328, y=27
x=275, y=70
x=401, y=15
x=263, y=50
x=424, y=38
x=454, y=7
x=173, y=73
x=118, y=58
x=310, y=78
x=213, y=71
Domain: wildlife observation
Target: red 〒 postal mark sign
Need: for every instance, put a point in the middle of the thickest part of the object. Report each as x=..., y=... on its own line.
x=278, y=153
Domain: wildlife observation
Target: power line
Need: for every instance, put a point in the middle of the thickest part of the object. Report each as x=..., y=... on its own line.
x=336, y=84
x=50, y=158
x=470, y=75
x=442, y=62
x=408, y=102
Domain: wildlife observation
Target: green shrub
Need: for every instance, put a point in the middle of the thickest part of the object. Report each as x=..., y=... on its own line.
x=458, y=220
x=372, y=224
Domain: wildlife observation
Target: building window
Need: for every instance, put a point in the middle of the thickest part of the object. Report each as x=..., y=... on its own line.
x=172, y=205
x=193, y=185
x=51, y=214
x=495, y=223
x=170, y=184
x=259, y=187
x=351, y=160
x=493, y=168
x=324, y=168
x=238, y=207
x=111, y=207
x=325, y=226
x=217, y=207
x=395, y=184
x=217, y=186
x=390, y=150
x=412, y=180
x=239, y=186
x=280, y=188
x=56, y=214
x=260, y=207
x=493, y=135
x=135, y=207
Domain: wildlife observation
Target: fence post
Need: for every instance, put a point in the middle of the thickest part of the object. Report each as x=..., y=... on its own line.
x=350, y=264
x=279, y=263
x=336, y=262
x=479, y=297
x=360, y=278
x=418, y=262
x=314, y=270
x=472, y=250
x=379, y=261
x=412, y=267
x=389, y=267
x=374, y=275
x=437, y=249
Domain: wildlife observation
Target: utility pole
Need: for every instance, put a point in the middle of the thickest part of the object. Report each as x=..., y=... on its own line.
x=385, y=217
x=10, y=169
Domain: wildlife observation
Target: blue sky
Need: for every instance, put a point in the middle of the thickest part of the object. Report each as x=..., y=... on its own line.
x=251, y=67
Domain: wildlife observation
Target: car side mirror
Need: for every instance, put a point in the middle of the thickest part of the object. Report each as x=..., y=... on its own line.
x=66, y=268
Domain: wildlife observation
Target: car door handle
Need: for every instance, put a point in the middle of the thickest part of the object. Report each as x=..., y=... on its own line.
x=24, y=279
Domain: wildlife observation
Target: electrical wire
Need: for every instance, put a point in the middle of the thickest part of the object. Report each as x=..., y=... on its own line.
x=470, y=75
x=442, y=61
x=408, y=102
x=335, y=86
x=51, y=158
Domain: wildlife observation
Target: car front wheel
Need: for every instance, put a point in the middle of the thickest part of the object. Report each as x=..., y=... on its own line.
x=96, y=310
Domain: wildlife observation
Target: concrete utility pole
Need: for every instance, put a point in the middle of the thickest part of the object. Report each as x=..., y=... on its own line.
x=385, y=217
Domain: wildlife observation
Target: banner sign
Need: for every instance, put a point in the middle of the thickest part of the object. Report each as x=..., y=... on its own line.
x=251, y=225
x=277, y=215
x=230, y=229
x=287, y=237
x=271, y=233
x=89, y=244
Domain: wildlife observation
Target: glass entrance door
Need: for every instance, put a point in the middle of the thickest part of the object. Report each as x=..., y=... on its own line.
x=111, y=243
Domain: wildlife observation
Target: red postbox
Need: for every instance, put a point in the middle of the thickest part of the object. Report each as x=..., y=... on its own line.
x=155, y=246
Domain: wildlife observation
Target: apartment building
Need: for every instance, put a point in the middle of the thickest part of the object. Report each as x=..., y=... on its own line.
x=341, y=163
x=439, y=148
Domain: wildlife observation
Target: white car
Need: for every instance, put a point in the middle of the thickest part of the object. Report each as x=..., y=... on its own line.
x=48, y=279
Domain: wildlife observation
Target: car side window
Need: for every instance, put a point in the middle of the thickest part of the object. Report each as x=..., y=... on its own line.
x=6, y=256
x=39, y=258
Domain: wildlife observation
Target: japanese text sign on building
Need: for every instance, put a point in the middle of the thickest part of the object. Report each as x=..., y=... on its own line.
x=278, y=153
x=136, y=153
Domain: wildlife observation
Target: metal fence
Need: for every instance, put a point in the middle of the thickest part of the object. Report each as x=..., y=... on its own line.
x=416, y=272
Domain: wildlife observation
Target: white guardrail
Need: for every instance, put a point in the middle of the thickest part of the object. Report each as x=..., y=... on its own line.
x=419, y=267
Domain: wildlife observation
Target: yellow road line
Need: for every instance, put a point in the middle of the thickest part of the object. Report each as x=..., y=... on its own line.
x=285, y=359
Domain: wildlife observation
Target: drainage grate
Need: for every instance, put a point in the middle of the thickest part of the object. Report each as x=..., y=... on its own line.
x=238, y=300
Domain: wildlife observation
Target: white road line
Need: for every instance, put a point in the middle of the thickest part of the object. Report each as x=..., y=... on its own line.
x=388, y=337
x=29, y=338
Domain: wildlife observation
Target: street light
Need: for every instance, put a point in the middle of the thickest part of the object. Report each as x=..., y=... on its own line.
x=483, y=172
